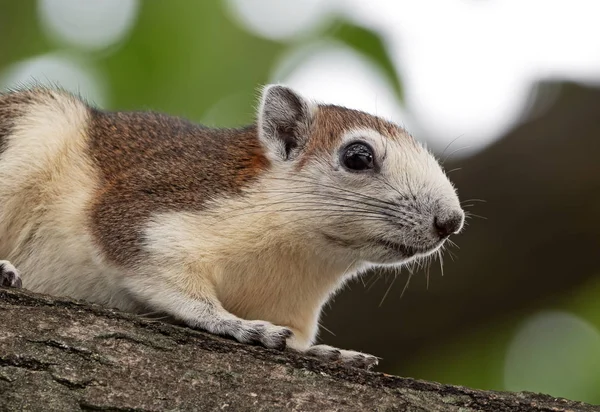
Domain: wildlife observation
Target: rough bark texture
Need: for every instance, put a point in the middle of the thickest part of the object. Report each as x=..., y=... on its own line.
x=62, y=355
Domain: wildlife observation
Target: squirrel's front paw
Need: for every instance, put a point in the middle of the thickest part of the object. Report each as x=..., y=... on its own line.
x=345, y=357
x=264, y=333
x=9, y=275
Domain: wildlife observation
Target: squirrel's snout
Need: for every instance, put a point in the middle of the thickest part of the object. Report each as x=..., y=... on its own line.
x=446, y=225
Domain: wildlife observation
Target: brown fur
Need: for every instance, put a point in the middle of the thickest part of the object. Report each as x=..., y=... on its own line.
x=330, y=122
x=151, y=162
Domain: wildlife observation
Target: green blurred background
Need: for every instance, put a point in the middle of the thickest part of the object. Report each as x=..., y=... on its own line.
x=506, y=97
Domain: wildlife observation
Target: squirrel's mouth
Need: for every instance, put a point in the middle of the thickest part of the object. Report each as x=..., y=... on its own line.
x=405, y=250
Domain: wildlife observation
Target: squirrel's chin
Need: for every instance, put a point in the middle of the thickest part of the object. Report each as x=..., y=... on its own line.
x=390, y=253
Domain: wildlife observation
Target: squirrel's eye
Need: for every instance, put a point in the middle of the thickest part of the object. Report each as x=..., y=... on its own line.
x=357, y=157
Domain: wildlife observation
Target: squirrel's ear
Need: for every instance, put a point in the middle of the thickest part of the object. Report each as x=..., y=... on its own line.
x=284, y=120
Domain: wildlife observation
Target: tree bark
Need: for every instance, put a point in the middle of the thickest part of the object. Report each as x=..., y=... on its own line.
x=63, y=355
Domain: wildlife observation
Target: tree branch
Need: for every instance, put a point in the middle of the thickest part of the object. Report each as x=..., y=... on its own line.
x=59, y=354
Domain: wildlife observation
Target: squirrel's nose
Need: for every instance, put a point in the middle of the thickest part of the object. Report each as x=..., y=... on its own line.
x=448, y=224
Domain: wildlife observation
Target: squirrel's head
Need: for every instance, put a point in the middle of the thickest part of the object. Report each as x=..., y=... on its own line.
x=362, y=184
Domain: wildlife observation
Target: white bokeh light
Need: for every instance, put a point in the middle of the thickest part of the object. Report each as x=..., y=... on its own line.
x=334, y=74
x=92, y=24
x=277, y=19
x=57, y=70
x=557, y=353
x=468, y=67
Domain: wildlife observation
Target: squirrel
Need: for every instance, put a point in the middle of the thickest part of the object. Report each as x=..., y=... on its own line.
x=241, y=232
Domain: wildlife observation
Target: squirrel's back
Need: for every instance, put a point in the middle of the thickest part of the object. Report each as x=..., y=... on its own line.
x=162, y=163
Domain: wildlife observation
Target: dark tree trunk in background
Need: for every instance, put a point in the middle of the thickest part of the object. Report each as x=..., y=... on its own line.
x=60, y=355
x=541, y=184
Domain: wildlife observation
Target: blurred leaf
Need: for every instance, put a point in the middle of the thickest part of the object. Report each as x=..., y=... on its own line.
x=370, y=44
x=21, y=33
x=183, y=58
